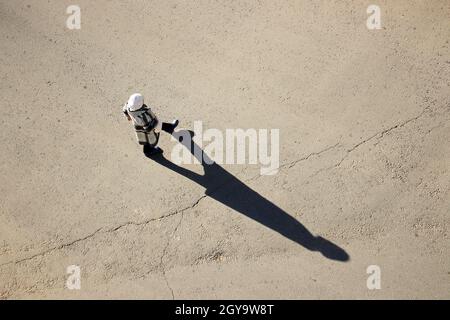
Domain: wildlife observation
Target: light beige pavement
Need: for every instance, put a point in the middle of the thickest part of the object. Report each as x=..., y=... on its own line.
x=364, y=149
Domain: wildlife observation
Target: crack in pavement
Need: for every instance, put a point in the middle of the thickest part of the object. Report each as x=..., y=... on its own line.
x=62, y=246
x=378, y=135
x=288, y=165
x=163, y=255
x=295, y=162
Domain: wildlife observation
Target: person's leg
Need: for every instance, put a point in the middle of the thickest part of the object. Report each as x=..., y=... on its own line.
x=169, y=127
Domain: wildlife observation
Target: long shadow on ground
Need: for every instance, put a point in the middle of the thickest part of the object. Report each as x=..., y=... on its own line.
x=227, y=189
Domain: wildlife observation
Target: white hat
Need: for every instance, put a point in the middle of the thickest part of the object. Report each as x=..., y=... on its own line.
x=135, y=102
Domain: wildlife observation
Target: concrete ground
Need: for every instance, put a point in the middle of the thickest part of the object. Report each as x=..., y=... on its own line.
x=364, y=127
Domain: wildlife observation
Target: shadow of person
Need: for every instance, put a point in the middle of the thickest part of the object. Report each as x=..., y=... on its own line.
x=230, y=191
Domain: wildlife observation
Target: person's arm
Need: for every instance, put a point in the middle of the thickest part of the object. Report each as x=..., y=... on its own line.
x=125, y=112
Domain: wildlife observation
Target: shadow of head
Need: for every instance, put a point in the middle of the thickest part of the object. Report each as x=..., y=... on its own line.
x=225, y=188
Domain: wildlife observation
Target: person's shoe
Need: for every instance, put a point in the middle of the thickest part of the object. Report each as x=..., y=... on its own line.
x=169, y=127
x=174, y=124
x=149, y=151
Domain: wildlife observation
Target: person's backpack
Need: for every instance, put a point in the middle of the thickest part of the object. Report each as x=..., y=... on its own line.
x=144, y=118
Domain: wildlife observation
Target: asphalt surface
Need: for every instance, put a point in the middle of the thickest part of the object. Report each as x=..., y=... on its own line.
x=364, y=175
